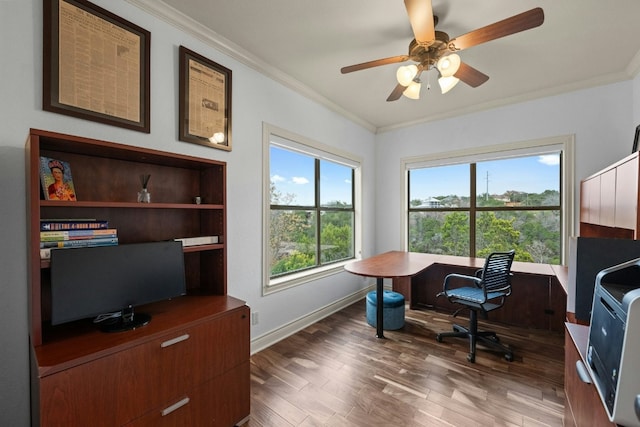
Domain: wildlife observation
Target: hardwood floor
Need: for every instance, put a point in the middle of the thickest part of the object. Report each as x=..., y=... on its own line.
x=337, y=373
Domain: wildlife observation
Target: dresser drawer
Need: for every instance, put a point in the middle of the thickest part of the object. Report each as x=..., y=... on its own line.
x=222, y=401
x=164, y=369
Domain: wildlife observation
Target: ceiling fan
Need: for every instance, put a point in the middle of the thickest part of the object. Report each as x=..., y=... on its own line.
x=434, y=49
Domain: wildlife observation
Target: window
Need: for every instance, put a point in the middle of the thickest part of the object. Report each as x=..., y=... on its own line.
x=513, y=199
x=310, y=218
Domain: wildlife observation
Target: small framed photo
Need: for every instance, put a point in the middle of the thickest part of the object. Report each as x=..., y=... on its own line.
x=95, y=65
x=56, y=180
x=635, y=140
x=205, y=101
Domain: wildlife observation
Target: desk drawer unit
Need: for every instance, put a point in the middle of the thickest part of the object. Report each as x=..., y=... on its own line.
x=156, y=375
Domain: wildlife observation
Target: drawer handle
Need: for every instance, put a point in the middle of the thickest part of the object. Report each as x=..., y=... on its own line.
x=177, y=405
x=582, y=372
x=175, y=340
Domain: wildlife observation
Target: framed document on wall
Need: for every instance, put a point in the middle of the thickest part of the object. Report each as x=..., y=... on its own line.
x=96, y=65
x=205, y=101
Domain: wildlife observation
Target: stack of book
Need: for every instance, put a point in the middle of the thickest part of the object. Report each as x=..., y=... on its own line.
x=74, y=233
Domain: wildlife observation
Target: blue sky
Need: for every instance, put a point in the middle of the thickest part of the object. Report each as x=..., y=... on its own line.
x=533, y=174
x=293, y=173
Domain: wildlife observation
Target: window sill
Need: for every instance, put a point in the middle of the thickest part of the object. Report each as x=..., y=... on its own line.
x=291, y=280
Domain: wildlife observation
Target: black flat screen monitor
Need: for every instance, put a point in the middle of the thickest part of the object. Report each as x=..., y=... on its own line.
x=92, y=281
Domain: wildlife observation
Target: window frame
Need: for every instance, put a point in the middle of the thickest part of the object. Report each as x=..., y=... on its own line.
x=272, y=135
x=563, y=144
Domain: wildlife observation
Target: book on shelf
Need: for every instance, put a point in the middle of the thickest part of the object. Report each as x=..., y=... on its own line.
x=55, y=236
x=57, y=183
x=200, y=240
x=45, y=253
x=80, y=243
x=73, y=224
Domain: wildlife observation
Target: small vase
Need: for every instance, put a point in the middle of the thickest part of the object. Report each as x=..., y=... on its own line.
x=144, y=196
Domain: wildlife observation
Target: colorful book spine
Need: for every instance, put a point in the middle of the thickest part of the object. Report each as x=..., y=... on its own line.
x=55, y=225
x=80, y=243
x=55, y=236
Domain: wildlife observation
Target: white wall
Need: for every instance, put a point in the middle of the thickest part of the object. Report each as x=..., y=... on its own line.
x=636, y=100
x=255, y=99
x=600, y=118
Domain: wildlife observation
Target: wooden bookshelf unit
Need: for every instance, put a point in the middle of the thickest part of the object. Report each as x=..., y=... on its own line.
x=190, y=364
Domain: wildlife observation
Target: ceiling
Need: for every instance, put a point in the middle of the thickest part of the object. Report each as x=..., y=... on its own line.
x=304, y=43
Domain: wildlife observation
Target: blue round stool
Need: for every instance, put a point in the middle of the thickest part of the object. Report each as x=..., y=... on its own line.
x=392, y=310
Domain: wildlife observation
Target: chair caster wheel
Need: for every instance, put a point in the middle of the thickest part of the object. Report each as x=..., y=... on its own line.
x=471, y=358
x=508, y=357
x=438, y=338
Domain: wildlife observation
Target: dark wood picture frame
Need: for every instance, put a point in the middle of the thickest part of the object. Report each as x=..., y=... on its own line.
x=636, y=140
x=110, y=86
x=205, y=101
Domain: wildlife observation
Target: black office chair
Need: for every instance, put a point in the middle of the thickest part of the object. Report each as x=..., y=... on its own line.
x=491, y=285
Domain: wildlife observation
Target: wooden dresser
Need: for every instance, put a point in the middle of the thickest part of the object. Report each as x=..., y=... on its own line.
x=190, y=365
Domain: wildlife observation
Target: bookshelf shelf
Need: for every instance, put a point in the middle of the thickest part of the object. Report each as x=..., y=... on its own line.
x=73, y=364
x=199, y=248
x=129, y=205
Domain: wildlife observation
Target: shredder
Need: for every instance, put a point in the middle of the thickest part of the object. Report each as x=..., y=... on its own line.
x=613, y=351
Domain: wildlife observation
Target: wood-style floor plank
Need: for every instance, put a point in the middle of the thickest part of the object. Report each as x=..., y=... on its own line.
x=337, y=373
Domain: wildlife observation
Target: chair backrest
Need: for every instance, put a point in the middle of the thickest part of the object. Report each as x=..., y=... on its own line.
x=496, y=274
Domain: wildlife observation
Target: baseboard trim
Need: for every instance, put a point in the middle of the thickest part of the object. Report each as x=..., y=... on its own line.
x=272, y=337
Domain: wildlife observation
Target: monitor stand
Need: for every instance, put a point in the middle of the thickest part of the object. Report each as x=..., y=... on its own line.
x=128, y=321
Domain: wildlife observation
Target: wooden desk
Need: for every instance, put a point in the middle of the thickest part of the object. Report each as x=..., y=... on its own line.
x=538, y=301
x=389, y=265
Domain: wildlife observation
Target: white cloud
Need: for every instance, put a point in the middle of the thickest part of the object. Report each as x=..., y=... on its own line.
x=347, y=181
x=549, y=159
x=277, y=178
x=300, y=180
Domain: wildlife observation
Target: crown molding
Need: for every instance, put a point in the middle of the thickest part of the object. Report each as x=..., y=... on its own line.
x=524, y=97
x=177, y=19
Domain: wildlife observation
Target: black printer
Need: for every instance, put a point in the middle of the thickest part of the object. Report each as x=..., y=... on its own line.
x=613, y=352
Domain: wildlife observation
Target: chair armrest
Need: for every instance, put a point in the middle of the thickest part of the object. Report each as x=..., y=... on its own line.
x=475, y=280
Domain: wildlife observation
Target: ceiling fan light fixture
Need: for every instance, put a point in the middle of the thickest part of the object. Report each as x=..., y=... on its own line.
x=447, y=83
x=413, y=90
x=406, y=74
x=217, y=138
x=448, y=65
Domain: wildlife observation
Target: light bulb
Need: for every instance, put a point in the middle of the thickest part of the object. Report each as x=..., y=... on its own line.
x=448, y=65
x=413, y=90
x=406, y=74
x=447, y=83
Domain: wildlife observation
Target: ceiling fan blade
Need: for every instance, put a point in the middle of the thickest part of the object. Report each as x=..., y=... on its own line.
x=470, y=75
x=421, y=18
x=371, y=64
x=523, y=21
x=396, y=93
